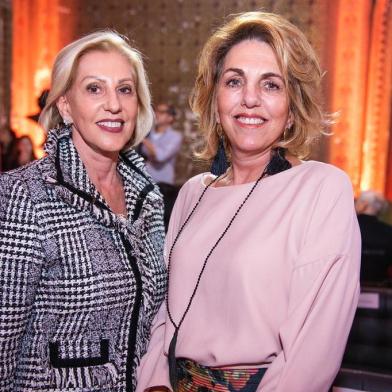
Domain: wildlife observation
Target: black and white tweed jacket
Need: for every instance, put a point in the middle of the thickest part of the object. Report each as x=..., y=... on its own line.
x=79, y=286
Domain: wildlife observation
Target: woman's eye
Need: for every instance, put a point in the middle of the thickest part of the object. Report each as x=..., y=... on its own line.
x=234, y=82
x=270, y=85
x=126, y=90
x=93, y=88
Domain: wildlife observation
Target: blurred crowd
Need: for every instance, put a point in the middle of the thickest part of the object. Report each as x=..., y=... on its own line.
x=15, y=151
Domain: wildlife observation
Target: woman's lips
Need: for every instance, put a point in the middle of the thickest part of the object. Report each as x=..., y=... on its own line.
x=249, y=120
x=113, y=126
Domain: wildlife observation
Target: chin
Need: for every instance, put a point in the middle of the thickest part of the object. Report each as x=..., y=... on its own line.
x=113, y=145
x=109, y=149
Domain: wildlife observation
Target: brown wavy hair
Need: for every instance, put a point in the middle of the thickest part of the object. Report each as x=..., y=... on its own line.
x=300, y=70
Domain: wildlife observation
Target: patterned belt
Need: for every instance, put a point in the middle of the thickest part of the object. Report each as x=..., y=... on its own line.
x=193, y=377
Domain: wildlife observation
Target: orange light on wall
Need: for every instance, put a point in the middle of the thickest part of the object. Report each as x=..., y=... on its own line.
x=378, y=107
x=35, y=44
x=349, y=85
x=362, y=92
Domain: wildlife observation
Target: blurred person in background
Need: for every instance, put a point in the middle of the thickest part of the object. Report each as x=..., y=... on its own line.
x=160, y=149
x=7, y=144
x=22, y=152
x=162, y=145
x=376, y=258
x=25, y=150
x=81, y=231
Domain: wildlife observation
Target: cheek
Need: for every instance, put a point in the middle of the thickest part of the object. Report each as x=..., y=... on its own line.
x=277, y=106
x=83, y=109
x=132, y=106
x=225, y=102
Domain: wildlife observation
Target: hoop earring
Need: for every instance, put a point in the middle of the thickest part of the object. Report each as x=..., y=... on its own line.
x=220, y=163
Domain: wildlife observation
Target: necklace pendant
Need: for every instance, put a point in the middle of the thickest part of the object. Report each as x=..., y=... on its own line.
x=172, y=361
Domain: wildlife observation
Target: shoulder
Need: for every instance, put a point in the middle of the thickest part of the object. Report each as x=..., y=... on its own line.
x=327, y=176
x=325, y=170
x=23, y=177
x=186, y=199
x=20, y=187
x=192, y=188
x=195, y=182
x=32, y=182
x=326, y=191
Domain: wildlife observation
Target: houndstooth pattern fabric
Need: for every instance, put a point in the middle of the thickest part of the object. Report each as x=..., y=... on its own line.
x=79, y=286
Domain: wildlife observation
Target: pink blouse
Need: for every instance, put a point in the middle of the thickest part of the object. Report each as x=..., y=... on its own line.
x=281, y=288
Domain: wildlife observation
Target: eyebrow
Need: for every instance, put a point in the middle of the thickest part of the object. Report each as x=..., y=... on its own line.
x=103, y=80
x=240, y=72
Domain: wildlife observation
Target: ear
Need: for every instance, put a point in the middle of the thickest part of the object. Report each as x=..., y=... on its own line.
x=290, y=120
x=64, y=109
x=215, y=108
x=217, y=117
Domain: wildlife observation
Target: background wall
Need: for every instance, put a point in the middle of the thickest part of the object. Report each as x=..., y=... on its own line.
x=41, y=28
x=361, y=84
x=5, y=61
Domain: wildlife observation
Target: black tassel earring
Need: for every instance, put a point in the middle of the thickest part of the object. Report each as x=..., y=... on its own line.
x=278, y=162
x=220, y=163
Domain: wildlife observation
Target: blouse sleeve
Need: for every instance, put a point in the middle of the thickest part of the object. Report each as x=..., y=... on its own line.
x=154, y=369
x=323, y=295
x=21, y=259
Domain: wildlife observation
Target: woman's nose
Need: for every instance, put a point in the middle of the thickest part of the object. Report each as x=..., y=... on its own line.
x=251, y=96
x=112, y=102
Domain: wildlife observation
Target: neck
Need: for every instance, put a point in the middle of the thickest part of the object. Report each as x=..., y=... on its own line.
x=161, y=128
x=101, y=168
x=248, y=169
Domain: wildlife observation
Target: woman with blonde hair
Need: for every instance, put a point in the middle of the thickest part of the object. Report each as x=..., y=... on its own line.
x=263, y=253
x=81, y=267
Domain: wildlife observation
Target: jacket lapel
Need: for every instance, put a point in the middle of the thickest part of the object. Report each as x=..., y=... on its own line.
x=65, y=172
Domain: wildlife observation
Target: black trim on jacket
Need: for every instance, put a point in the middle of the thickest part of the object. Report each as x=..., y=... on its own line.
x=58, y=362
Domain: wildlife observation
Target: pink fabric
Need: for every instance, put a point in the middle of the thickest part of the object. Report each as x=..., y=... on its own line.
x=281, y=288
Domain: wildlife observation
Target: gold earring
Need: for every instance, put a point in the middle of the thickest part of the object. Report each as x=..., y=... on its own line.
x=219, y=130
x=287, y=132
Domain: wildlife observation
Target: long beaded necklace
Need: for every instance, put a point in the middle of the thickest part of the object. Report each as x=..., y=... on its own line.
x=277, y=164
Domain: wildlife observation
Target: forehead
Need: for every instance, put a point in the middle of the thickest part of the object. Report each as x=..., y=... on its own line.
x=252, y=54
x=100, y=63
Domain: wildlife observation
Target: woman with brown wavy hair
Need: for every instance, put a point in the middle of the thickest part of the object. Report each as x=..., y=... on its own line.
x=263, y=252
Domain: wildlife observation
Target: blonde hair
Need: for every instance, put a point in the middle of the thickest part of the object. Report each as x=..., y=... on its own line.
x=64, y=70
x=300, y=70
